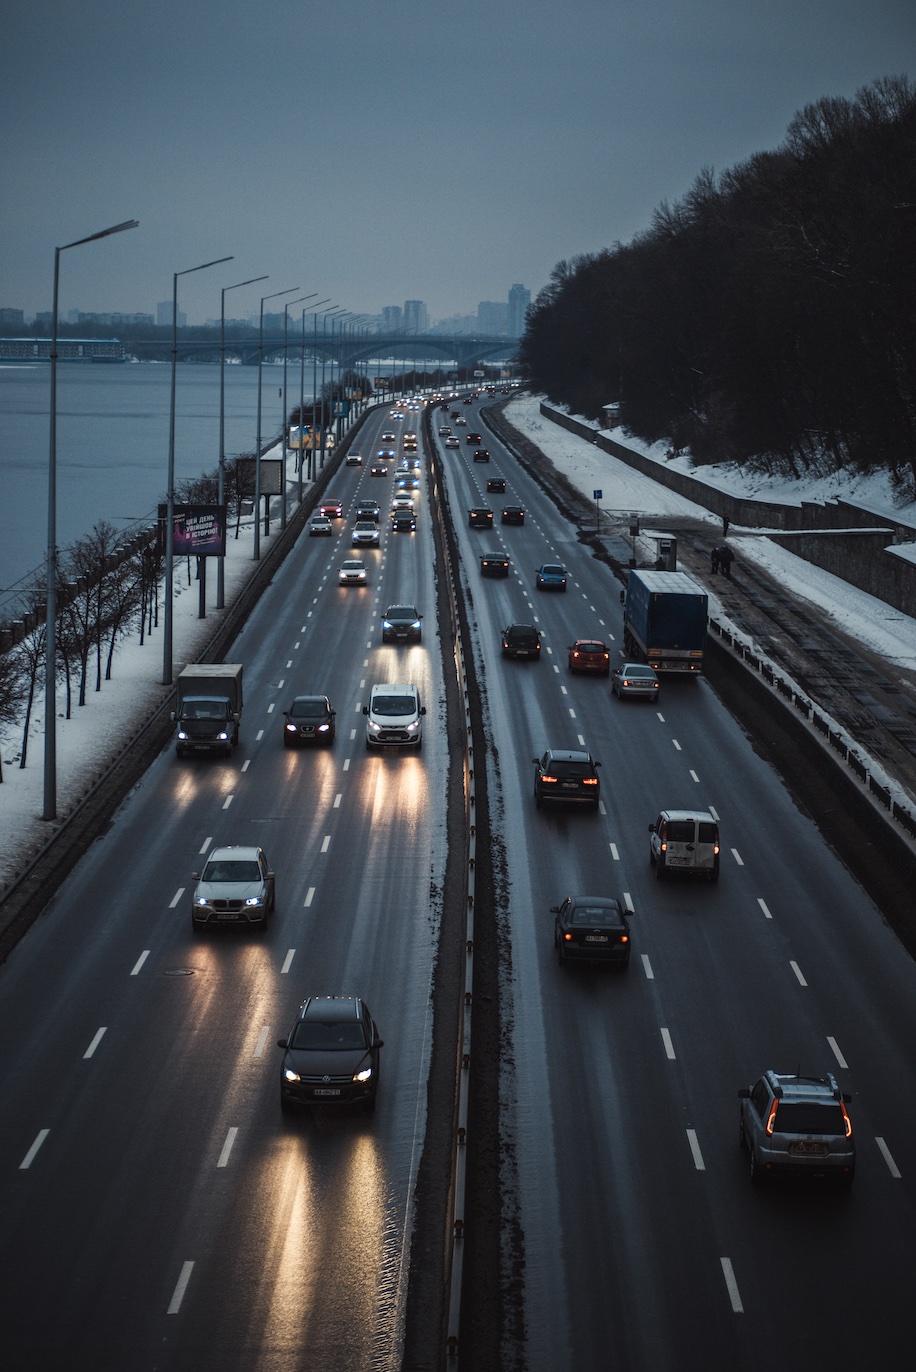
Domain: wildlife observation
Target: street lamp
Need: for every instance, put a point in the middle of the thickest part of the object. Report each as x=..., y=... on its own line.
x=170, y=489
x=49, y=810
x=302, y=397
x=332, y=315
x=221, y=562
x=313, y=466
x=284, y=414
x=257, y=456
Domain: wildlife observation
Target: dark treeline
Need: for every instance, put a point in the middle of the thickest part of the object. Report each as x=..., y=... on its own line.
x=770, y=316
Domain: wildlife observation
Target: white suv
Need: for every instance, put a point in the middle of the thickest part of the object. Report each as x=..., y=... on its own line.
x=394, y=716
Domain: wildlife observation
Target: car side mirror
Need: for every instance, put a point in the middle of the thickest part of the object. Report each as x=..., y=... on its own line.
x=744, y=1093
x=422, y=709
x=377, y=1042
x=554, y=909
x=172, y=716
x=365, y=709
x=847, y=1100
x=271, y=876
x=333, y=713
x=651, y=828
x=195, y=876
x=286, y=714
x=282, y=1043
x=597, y=764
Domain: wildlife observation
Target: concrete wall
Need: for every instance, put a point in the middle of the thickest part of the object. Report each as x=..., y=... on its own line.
x=849, y=540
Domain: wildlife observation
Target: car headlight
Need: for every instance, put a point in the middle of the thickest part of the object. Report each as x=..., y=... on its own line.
x=323, y=728
x=386, y=623
x=223, y=736
x=201, y=900
x=181, y=733
x=254, y=900
x=416, y=624
x=290, y=1075
x=364, y=1075
x=413, y=726
x=373, y=727
x=291, y=728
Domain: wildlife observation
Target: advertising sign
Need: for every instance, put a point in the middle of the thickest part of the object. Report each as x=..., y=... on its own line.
x=198, y=531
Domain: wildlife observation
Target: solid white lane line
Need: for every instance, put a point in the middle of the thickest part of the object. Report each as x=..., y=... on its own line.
x=262, y=1042
x=764, y=908
x=886, y=1154
x=227, y=1146
x=669, y=1046
x=694, y=1142
x=287, y=961
x=647, y=967
x=309, y=896
x=731, y=1285
x=140, y=961
x=95, y=1042
x=798, y=972
x=836, y=1051
x=30, y=1155
x=178, y=1295
x=176, y=898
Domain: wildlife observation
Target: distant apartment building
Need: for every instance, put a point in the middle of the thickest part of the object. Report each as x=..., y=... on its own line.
x=416, y=317
x=115, y=321
x=519, y=300
x=493, y=318
x=164, y=315
x=11, y=319
x=392, y=319
x=455, y=324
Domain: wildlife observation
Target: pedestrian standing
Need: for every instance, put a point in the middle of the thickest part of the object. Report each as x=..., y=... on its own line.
x=714, y=561
x=725, y=524
x=725, y=558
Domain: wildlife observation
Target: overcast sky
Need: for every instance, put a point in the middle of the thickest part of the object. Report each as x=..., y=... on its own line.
x=374, y=151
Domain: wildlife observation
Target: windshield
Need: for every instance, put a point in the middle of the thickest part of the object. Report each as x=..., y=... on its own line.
x=803, y=1118
x=232, y=869
x=394, y=705
x=308, y=709
x=310, y=1034
x=401, y=612
x=571, y=769
x=204, y=709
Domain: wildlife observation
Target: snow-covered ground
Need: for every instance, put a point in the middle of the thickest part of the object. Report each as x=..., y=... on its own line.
x=136, y=689
x=873, y=622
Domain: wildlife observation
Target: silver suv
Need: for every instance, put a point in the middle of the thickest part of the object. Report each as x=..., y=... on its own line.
x=236, y=887
x=797, y=1126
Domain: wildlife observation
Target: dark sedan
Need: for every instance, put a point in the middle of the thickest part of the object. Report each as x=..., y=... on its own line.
x=480, y=518
x=494, y=564
x=309, y=719
x=513, y=514
x=496, y=483
x=591, y=929
x=331, y=1055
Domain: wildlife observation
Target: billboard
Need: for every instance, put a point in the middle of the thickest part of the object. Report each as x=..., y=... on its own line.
x=197, y=531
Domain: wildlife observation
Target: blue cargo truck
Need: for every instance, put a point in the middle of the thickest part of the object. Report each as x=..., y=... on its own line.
x=664, y=621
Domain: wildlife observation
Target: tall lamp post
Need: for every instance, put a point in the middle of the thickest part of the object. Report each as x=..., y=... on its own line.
x=332, y=315
x=221, y=561
x=257, y=456
x=302, y=397
x=313, y=465
x=284, y=413
x=170, y=489
x=49, y=810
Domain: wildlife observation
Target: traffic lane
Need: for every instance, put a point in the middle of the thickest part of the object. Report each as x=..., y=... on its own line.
x=401, y=877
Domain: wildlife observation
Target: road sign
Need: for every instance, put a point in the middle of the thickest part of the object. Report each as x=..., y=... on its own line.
x=597, y=495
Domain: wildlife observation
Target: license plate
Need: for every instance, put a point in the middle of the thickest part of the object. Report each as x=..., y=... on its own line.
x=817, y=1150
x=596, y=938
x=326, y=1091
x=227, y=916
x=570, y=785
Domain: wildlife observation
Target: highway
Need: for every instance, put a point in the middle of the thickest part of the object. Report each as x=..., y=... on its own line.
x=157, y=1209
x=159, y=1214
x=644, y=1244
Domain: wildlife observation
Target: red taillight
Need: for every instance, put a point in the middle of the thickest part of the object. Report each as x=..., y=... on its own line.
x=715, y=849
x=624, y=938
x=550, y=779
x=568, y=938
x=590, y=781
x=846, y=1120
x=771, y=1118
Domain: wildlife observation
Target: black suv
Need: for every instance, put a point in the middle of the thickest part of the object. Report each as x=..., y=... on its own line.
x=797, y=1126
x=521, y=640
x=309, y=719
x=402, y=624
x=331, y=1056
x=566, y=775
x=591, y=929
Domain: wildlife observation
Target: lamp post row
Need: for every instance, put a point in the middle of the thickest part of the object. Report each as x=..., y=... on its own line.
x=49, y=807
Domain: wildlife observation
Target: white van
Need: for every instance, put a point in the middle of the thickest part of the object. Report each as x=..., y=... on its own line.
x=685, y=841
x=394, y=716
